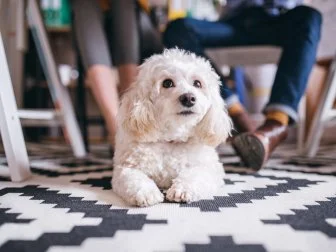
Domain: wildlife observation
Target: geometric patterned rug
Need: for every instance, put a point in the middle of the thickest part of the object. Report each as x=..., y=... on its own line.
x=68, y=205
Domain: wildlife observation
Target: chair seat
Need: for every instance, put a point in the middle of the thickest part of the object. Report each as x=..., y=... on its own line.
x=245, y=55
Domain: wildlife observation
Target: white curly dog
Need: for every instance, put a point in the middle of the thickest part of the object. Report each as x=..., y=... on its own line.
x=170, y=122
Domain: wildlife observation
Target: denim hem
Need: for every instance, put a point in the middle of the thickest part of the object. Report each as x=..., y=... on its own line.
x=285, y=109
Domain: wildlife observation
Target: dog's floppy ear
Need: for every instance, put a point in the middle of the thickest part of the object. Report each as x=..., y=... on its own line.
x=137, y=114
x=216, y=125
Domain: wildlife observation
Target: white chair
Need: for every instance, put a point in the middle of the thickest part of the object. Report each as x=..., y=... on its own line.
x=63, y=114
x=323, y=114
x=10, y=127
x=252, y=56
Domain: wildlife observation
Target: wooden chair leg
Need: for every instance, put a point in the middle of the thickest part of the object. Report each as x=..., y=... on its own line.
x=323, y=113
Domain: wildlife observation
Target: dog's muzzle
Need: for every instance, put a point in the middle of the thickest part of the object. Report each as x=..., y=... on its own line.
x=187, y=100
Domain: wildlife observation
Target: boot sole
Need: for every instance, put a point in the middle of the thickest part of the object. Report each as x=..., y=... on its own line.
x=250, y=149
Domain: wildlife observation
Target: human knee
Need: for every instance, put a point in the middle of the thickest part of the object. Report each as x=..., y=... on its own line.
x=311, y=19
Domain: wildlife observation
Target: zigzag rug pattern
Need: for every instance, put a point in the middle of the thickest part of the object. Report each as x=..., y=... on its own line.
x=68, y=205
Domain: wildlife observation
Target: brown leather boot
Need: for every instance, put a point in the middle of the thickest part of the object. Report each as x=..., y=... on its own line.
x=242, y=123
x=254, y=148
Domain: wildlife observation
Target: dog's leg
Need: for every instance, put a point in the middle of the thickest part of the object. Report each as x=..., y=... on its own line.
x=135, y=187
x=195, y=184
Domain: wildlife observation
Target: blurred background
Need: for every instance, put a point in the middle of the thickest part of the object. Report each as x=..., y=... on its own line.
x=31, y=90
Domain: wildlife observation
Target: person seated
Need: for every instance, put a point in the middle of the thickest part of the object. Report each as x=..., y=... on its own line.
x=111, y=33
x=285, y=23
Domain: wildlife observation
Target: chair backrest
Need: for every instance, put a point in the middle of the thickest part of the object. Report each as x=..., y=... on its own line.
x=245, y=55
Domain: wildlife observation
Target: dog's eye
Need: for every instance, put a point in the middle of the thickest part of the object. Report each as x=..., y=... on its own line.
x=168, y=83
x=197, y=84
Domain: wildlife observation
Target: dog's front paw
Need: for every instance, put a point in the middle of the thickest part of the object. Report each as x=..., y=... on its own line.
x=147, y=196
x=181, y=193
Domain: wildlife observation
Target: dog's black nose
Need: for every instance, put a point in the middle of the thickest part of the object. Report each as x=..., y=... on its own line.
x=187, y=100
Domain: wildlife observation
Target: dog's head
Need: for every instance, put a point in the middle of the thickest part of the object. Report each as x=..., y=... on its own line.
x=175, y=98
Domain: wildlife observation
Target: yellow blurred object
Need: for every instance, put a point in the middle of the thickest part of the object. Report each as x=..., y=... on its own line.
x=144, y=5
x=176, y=9
x=105, y=5
x=236, y=109
x=259, y=91
x=172, y=15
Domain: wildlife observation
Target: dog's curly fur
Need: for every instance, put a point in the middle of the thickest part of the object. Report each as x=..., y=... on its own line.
x=160, y=142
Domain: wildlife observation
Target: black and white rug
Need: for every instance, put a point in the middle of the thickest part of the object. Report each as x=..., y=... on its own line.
x=68, y=205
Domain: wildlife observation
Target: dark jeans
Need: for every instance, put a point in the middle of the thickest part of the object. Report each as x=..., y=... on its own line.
x=297, y=32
